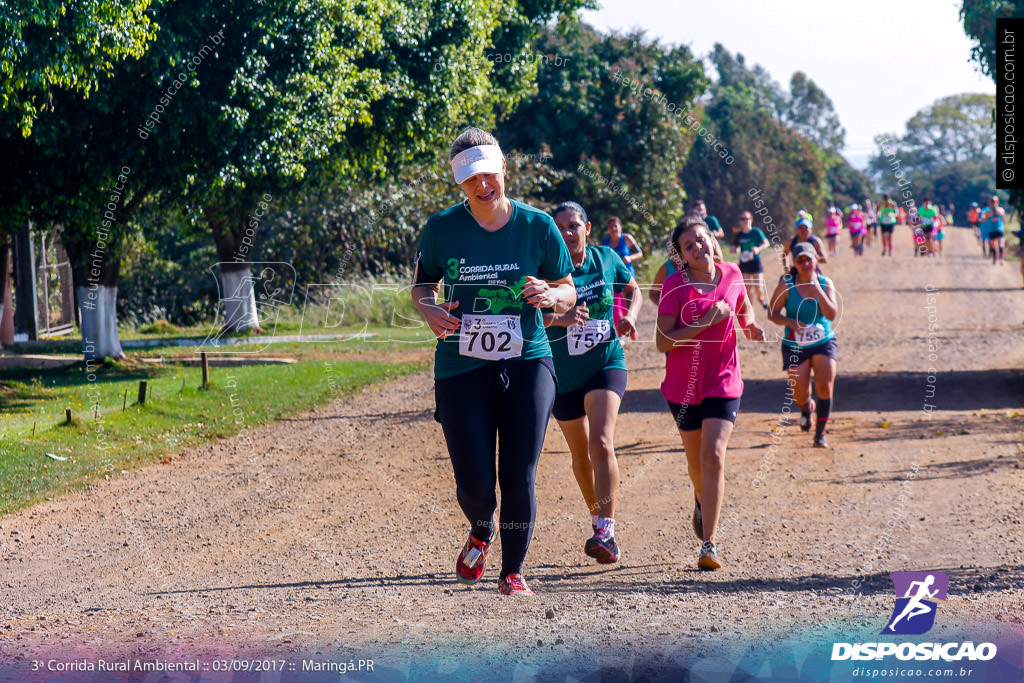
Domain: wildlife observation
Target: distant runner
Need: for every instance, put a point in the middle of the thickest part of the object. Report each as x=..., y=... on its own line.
x=623, y=244
x=714, y=226
x=751, y=242
x=833, y=226
x=887, y=216
x=940, y=232
x=872, y=218
x=993, y=218
x=856, y=222
x=927, y=214
x=803, y=234
x=974, y=218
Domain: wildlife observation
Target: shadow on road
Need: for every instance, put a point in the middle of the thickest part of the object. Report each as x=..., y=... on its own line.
x=985, y=464
x=628, y=578
x=889, y=392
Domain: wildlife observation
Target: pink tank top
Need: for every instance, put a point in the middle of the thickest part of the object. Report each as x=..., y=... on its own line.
x=832, y=223
x=709, y=364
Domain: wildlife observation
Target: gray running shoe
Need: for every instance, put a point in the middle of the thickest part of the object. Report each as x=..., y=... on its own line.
x=709, y=557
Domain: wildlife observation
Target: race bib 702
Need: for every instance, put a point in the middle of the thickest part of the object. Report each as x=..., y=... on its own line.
x=491, y=337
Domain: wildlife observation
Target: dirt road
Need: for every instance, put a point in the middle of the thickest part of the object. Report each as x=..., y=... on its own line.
x=332, y=535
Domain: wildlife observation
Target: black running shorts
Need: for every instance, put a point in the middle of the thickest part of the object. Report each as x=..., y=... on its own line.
x=690, y=417
x=792, y=357
x=569, y=406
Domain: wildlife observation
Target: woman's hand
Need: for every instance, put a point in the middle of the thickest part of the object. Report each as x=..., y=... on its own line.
x=577, y=315
x=439, y=318
x=754, y=332
x=538, y=293
x=626, y=326
x=718, y=312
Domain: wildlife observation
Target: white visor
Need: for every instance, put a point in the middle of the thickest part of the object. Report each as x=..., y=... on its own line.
x=479, y=159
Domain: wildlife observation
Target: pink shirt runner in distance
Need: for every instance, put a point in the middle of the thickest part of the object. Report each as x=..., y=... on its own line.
x=856, y=223
x=709, y=364
x=833, y=223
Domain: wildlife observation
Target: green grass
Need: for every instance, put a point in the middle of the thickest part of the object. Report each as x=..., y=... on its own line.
x=382, y=339
x=174, y=419
x=391, y=340
x=158, y=327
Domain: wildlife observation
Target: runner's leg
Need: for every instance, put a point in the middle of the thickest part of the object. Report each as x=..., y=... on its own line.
x=469, y=432
x=715, y=434
x=602, y=410
x=824, y=382
x=576, y=435
x=522, y=416
x=800, y=383
x=691, y=446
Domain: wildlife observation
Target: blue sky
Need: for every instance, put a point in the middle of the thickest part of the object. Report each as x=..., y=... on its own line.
x=879, y=60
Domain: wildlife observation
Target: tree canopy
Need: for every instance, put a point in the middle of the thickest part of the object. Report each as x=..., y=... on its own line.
x=52, y=45
x=610, y=109
x=979, y=19
x=784, y=144
x=947, y=153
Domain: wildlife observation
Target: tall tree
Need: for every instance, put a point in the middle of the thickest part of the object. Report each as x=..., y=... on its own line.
x=397, y=104
x=734, y=73
x=810, y=112
x=772, y=164
x=611, y=109
x=979, y=19
x=845, y=183
x=953, y=129
x=771, y=160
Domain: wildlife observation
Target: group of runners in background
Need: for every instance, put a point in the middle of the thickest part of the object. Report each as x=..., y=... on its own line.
x=529, y=318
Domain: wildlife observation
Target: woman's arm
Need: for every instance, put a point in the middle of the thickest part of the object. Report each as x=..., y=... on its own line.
x=654, y=294
x=777, y=304
x=627, y=324
x=826, y=299
x=669, y=334
x=745, y=316
x=635, y=252
x=557, y=294
x=437, y=316
x=819, y=247
x=577, y=315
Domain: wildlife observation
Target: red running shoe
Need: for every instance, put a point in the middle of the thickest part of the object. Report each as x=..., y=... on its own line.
x=602, y=547
x=514, y=584
x=472, y=561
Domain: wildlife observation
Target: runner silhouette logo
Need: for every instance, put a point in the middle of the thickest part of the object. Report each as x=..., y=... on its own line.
x=917, y=594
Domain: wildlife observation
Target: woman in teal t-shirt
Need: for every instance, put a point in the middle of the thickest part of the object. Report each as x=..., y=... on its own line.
x=591, y=371
x=993, y=219
x=751, y=242
x=500, y=262
x=888, y=215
